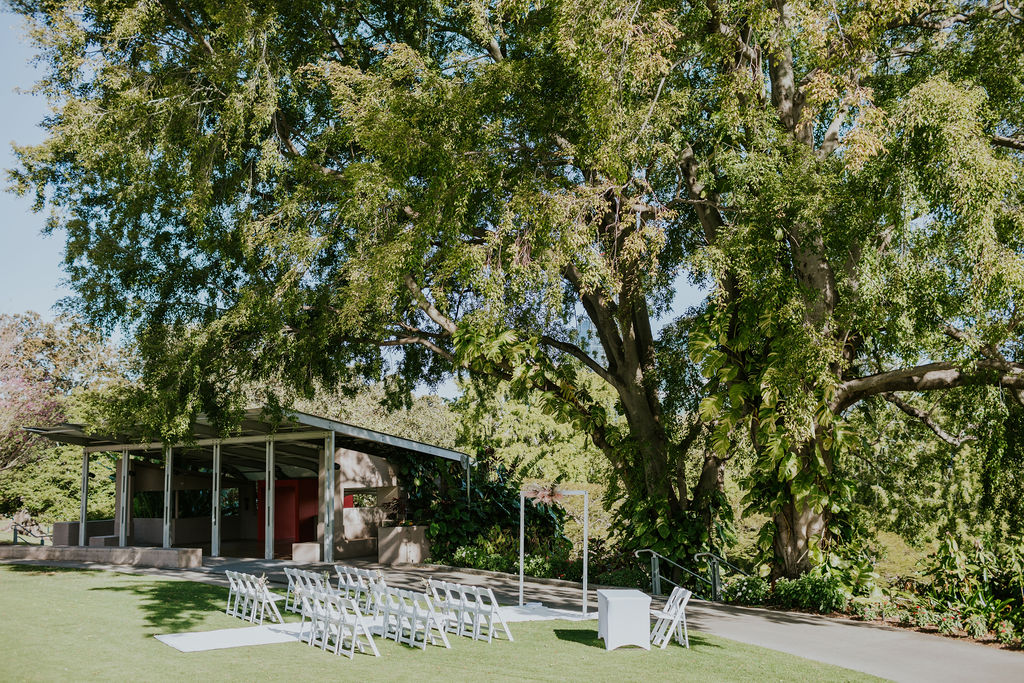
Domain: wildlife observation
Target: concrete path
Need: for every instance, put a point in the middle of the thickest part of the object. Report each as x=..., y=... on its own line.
x=891, y=653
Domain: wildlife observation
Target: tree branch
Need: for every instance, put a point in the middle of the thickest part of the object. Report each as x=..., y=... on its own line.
x=929, y=377
x=926, y=418
x=187, y=25
x=284, y=134
x=1010, y=143
x=988, y=351
x=831, y=139
x=428, y=307
x=581, y=355
x=405, y=341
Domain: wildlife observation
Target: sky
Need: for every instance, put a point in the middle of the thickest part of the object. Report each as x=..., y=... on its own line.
x=31, y=276
x=30, y=263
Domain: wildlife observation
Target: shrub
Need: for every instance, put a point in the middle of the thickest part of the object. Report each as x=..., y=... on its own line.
x=1005, y=633
x=629, y=578
x=868, y=610
x=924, y=618
x=976, y=626
x=811, y=592
x=948, y=623
x=746, y=590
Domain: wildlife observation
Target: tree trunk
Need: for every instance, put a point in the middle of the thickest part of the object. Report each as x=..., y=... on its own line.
x=651, y=441
x=706, y=493
x=795, y=526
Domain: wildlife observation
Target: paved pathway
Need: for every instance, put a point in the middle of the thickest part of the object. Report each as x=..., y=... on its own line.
x=891, y=653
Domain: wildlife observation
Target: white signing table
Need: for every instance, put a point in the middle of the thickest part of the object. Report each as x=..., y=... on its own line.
x=624, y=618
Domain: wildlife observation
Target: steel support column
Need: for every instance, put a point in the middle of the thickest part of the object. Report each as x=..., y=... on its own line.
x=329, y=496
x=123, y=502
x=168, y=480
x=85, y=498
x=215, y=504
x=268, y=529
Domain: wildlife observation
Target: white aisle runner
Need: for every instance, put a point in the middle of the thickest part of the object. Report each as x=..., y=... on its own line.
x=268, y=634
x=199, y=641
x=535, y=611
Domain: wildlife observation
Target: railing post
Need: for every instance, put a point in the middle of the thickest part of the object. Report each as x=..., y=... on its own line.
x=655, y=574
x=14, y=528
x=716, y=581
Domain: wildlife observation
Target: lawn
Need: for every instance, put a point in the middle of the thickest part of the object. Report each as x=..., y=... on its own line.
x=90, y=625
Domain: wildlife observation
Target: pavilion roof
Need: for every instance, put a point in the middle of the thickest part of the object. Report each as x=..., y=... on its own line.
x=298, y=439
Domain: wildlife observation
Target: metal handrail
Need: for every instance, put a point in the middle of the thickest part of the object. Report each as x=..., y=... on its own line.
x=33, y=532
x=714, y=565
x=656, y=576
x=720, y=560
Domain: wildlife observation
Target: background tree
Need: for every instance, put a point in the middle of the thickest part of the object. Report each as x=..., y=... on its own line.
x=41, y=364
x=48, y=371
x=521, y=432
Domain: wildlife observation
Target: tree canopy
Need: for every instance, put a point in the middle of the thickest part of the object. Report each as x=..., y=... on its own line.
x=311, y=192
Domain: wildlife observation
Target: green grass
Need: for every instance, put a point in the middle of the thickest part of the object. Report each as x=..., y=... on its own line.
x=88, y=625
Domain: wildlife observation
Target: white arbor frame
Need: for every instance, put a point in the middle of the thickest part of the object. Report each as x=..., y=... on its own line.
x=586, y=536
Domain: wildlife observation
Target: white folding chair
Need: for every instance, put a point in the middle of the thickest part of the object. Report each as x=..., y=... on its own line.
x=367, y=581
x=445, y=604
x=466, y=607
x=347, y=585
x=435, y=619
x=489, y=612
x=233, y=594
x=247, y=594
x=320, y=618
x=391, y=609
x=266, y=600
x=346, y=628
x=290, y=602
x=671, y=621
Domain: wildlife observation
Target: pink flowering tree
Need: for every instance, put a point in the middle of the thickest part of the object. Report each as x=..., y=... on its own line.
x=41, y=363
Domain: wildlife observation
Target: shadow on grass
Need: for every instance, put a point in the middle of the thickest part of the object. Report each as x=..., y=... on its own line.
x=173, y=606
x=588, y=637
x=583, y=636
x=46, y=570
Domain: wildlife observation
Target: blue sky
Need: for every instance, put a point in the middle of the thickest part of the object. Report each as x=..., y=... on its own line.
x=30, y=263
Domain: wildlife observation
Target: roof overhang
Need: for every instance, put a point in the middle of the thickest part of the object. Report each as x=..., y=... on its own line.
x=298, y=440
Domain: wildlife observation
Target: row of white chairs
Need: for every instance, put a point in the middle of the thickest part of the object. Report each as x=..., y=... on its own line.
x=334, y=621
x=408, y=617
x=250, y=598
x=358, y=584
x=311, y=582
x=469, y=610
x=345, y=617
x=671, y=621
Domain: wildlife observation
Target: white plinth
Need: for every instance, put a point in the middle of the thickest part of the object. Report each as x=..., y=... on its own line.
x=624, y=618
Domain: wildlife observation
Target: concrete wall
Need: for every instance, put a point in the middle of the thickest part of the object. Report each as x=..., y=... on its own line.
x=402, y=544
x=147, y=530
x=361, y=522
x=362, y=470
x=66, y=533
x=175, y=558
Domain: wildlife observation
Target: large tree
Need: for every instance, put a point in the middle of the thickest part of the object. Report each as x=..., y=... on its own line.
x=304, y=191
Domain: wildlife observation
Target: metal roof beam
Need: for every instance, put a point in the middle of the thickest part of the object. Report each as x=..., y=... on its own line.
x=261, y=438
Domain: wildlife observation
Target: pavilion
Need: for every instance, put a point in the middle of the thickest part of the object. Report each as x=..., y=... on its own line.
x=268, y=482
